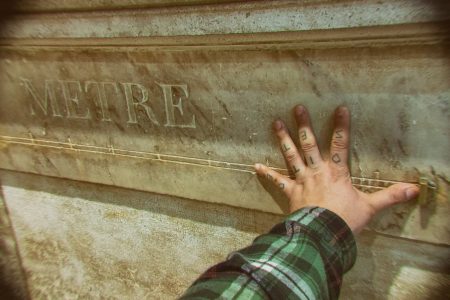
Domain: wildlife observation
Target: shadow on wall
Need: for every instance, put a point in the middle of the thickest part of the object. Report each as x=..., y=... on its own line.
x=383, y=264
x=7, y=10
x=392, y=267
x=213, y=214
x=13, y=284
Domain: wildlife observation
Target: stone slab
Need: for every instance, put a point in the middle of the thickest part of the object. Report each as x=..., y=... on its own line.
x=95, y=241
x=176, y=98
x=192, y=123
x=218, y=105
x=186, y=95
x=389, y=268
x=13, y=283
x=240, y=17
x=83, y=5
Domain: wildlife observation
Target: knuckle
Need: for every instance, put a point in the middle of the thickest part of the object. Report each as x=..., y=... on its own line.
x=396, y=195
x=308, y=146
x=340, y=171
x=337, y=144
x=317, y=176
x=290, y=156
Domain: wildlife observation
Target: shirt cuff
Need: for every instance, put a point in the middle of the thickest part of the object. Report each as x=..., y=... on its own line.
x=331, y=232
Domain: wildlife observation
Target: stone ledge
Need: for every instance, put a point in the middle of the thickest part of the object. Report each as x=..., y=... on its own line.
x=233, y=18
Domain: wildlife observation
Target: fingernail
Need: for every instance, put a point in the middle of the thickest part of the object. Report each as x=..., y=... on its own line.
x=277, y=125
x=411, y=193
x=299, y=110
x=257, y=167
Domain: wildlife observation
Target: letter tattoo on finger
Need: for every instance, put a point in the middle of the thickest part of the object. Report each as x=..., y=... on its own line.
x=335, y=158
x=286, y=148
x=303, y=135
x=338, y=134
x=295, y=170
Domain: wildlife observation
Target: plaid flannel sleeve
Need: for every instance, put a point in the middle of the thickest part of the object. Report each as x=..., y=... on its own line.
x=304, y=257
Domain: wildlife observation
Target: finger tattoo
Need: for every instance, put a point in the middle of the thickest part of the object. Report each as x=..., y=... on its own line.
x=335, y=158
x=303, y=135
x=311, y=160
x=338, y=133
x=295, y=170
x=286, y=148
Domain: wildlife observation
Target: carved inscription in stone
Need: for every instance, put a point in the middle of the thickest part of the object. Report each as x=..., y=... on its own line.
x=192, y=123
x=218, y=105
x=70, y=99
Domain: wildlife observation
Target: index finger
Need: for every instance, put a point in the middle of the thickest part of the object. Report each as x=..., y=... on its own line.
x=293, y=159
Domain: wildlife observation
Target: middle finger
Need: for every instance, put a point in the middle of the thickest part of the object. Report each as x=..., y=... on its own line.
x=308, y=141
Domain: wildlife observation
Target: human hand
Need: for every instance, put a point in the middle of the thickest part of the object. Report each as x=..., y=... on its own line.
x=326, y=182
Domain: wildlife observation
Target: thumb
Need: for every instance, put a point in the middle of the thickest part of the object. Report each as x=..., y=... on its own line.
x=394, y=194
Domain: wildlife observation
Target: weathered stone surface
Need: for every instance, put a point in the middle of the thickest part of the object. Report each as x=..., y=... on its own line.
x=92, y=113
x=92, y=241
x=131, y=100
x=233, y=18
x=175, y=100
x=391, y=268
x=70, y=5
x=13, y=283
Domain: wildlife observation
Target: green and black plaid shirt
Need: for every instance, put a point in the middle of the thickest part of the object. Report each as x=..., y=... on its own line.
x=302, y=258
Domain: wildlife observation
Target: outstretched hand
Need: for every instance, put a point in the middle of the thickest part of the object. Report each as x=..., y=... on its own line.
x=326, y=182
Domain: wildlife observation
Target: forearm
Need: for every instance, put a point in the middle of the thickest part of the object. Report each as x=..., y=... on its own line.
x=302, y=258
